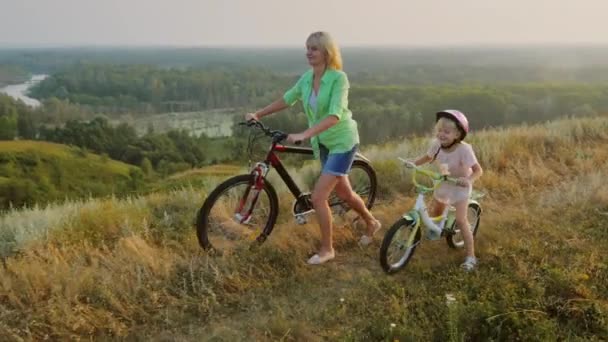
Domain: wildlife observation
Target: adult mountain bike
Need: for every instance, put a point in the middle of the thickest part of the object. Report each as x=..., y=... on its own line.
x=246, y=207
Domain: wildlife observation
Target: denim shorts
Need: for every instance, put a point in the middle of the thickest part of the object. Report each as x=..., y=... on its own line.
x=337, y=164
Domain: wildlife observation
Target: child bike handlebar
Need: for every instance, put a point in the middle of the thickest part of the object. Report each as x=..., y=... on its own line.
x=436, y=177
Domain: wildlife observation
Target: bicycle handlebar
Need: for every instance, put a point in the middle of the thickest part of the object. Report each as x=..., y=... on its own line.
x=437, y=177
x=276, y=135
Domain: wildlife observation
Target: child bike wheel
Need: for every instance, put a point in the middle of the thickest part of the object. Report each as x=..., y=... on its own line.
x=399, y=244
x=456, y=240
x=217, y=226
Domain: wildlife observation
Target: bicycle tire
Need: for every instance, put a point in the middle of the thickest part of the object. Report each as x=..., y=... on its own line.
x=455, y=240
x=402, y=225
x=203, y=222
x=366, y=191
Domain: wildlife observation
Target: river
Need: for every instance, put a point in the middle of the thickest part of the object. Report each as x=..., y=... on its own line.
x=19, y=91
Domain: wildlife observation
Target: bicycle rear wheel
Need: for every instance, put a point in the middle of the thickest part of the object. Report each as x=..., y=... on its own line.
x=363, y=180
x=456, y=240
x=399, y=244
x=234, y=213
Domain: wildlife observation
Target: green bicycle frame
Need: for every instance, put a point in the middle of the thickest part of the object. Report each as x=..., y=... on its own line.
x=419, y=214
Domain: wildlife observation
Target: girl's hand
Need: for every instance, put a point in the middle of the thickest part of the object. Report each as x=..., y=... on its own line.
x=296, y=138
x=251, y=116
x=464, y=182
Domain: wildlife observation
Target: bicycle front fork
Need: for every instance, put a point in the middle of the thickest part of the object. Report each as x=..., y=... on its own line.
x=244, y=211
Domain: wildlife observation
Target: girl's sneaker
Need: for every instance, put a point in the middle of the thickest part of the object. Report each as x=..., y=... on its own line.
x=469, y=264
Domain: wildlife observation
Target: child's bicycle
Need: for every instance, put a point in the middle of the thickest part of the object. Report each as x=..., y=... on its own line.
x=246, y=207
x=402, y=238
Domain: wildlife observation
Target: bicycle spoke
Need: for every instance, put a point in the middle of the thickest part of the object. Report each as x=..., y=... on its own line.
x=225, y=229
x=402, y=253
x=403, y=239
x=456, y=239
x=362, y=181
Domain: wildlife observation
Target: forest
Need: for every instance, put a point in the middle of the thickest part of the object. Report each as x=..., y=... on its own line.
x=92, y=96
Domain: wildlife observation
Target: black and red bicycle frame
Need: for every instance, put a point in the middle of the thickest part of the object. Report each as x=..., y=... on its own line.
x=273, y=160
x=260, y=170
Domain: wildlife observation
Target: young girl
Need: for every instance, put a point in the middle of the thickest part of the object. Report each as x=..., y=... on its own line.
x=450, y=152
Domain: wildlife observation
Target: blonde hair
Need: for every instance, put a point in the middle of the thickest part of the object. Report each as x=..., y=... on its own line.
x=332, y=52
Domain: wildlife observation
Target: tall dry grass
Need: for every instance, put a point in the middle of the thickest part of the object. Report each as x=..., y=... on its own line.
x=131, y=269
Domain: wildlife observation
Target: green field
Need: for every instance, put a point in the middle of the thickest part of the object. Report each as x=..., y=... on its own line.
x=40, y=172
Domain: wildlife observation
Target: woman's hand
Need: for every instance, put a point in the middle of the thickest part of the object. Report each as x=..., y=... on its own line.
x=296, y=138
x=251, y=116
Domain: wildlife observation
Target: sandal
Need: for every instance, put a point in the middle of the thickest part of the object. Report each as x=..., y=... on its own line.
x=317, y=260
x=365, y=239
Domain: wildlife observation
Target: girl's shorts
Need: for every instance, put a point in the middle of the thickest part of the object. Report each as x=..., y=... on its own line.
x=452, y=194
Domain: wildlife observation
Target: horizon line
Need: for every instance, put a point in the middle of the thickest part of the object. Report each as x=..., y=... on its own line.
x=298, y=46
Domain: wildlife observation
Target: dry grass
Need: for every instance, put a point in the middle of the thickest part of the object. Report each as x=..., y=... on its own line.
x=131, y=269
x=212, y=170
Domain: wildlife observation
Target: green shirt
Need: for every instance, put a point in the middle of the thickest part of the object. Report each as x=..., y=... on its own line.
x=332, y=99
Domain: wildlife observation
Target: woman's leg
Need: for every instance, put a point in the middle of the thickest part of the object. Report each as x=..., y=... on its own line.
x=345, y=192
x=325, y=184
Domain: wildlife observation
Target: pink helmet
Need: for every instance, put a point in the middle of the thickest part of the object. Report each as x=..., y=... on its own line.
x=458, y=117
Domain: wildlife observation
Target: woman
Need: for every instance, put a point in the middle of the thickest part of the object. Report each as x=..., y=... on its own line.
x=323, y=91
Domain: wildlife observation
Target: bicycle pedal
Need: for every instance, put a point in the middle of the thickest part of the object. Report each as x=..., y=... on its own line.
x=301, y=219
x=431, y=235
x=239, y=218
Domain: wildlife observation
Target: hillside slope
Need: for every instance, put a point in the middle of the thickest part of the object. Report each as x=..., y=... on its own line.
x=136, y=272
x=39, y=172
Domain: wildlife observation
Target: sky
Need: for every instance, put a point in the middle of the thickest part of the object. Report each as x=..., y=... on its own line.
x=288, y=22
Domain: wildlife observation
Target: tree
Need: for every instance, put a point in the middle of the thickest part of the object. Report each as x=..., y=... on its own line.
x=146, y=167
x=136, y=179
x=8, y=118
x=26, y=128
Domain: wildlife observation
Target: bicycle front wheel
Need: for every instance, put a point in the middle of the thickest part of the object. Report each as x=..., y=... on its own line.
x=399, y=244
x=362, y=178
x=235, y=213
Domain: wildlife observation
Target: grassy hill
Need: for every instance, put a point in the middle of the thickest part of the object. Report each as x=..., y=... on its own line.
x=39, y=172
x=131, y=268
